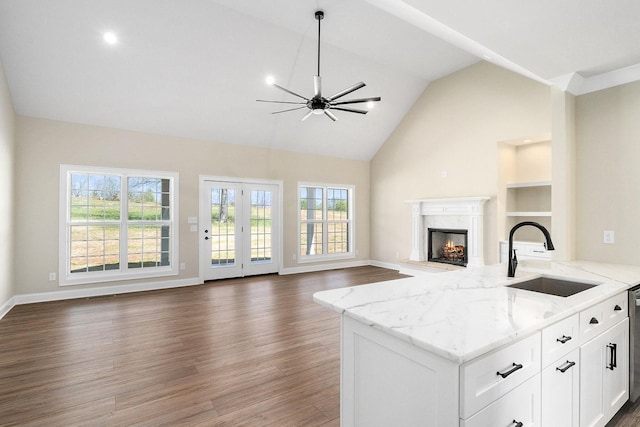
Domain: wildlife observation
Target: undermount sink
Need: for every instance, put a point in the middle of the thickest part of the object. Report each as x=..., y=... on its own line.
x=553, y=286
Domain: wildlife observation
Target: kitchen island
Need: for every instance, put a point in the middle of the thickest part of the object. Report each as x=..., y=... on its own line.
x=422, y=350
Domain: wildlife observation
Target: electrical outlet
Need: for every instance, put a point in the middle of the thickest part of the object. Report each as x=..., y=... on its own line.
x=183, y=266
x=609, y=237
x=52, y=277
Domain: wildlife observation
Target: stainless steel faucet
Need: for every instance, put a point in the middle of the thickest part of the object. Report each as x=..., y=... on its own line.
x=513, y=260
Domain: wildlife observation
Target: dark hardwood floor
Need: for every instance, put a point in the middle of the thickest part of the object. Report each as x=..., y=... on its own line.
x=242, y=352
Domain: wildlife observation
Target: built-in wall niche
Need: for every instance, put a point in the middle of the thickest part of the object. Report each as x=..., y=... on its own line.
x=525, y=186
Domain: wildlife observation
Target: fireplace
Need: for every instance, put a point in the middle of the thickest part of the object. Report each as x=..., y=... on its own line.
x=447, y=246
x=465, y=213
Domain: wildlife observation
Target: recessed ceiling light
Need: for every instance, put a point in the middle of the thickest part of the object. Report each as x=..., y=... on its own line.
x=110, y=37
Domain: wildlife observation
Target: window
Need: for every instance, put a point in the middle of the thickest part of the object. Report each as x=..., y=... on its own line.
x=116, y=224
x=326, y=221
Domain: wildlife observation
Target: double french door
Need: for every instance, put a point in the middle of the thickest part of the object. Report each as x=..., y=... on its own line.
x=239, y=228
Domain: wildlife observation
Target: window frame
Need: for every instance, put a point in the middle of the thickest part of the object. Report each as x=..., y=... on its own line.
x=350, y=221
x=124, y=272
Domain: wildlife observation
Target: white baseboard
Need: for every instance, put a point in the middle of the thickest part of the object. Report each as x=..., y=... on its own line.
x=323, y=267
x=102, y=291
x=387, y=265
x=150, y=286
x=7, y=306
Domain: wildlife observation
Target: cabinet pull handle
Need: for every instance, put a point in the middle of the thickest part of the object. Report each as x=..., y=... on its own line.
x=515, y=367
x=516, y=423
x=564, y=339
x=564, y=368
x=614, y=356
x=593, y=321
x=617, y=308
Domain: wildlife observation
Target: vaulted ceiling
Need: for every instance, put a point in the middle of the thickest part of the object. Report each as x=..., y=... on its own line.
x=195, y=68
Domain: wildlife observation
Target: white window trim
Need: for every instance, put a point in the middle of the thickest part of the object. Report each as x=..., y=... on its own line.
x=65, y=276
x=352, y=234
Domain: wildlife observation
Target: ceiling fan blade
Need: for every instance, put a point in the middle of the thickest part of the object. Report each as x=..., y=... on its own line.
x=330, y=115
x=346, y=91
x=351, y=110
x=306, y=116
x=317, y=86
x=281, y=102
x=288, y=91
x=290, y=109
x=356, y=101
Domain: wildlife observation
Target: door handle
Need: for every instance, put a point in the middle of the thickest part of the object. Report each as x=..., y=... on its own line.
x=515, y=367
x=564, y=368
x=206, y=237
x=614, y=356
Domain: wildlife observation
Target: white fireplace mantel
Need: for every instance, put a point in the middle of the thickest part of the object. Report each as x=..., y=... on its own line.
x=465, y=213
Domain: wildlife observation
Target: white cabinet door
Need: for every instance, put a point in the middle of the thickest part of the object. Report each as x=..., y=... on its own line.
x=561, y=392
x=616, y=375
x=604, y=375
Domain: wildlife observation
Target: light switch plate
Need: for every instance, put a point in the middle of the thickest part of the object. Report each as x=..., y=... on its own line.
x=192, y=220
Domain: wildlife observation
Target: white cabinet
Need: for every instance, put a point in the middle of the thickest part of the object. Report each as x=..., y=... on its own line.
x=561, y=392
x=604, y=375
x=521, y=405
x=489, y=377
x=572, y=373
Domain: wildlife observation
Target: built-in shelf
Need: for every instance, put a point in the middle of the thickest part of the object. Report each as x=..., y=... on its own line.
x=529, y=184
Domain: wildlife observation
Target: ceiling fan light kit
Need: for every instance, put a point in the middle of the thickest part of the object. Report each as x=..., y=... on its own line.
x=318, y=104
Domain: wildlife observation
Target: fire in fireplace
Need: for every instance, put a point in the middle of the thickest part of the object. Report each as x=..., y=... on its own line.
x=447, y=246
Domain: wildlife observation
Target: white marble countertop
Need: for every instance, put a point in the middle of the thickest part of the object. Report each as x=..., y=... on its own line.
x=463, y=314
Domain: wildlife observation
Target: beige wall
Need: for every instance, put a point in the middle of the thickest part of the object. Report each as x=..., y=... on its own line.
x=607, y=174
x=455, y=127
x=42, y=145
x=7, y=125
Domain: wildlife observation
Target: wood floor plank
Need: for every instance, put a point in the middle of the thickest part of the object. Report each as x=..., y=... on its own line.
x=236, y=352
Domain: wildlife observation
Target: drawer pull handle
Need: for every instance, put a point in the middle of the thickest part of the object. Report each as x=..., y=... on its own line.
x=564, y=368
x=564, y=339
x=515, y=367
x=516, y=423
x=614, y=356
x=593, y=321
x=617, y=308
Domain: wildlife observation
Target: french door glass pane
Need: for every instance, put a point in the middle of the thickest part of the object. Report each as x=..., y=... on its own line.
x=223, y=227
x=261, y=209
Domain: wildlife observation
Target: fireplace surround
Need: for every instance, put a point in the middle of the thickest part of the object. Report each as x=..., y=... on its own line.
x=466, y=213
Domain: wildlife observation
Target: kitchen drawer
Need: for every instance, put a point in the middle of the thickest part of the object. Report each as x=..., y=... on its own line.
x=602, y=316
x=487, y=378
x=560, y=338
x=520, y=405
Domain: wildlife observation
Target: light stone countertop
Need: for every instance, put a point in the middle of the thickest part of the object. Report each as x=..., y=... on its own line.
x=462, y=314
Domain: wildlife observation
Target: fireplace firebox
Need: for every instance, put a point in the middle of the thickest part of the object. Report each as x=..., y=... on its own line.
x=447, y=246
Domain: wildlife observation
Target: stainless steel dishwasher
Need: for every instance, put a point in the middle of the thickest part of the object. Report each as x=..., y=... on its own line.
x=634, y=343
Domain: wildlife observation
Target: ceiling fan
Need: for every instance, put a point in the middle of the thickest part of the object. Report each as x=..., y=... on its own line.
x=318, y=104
